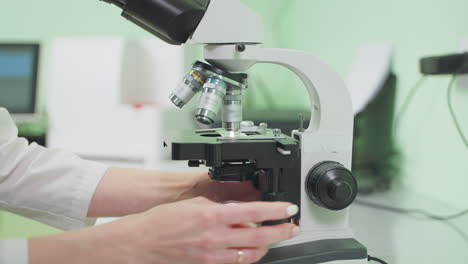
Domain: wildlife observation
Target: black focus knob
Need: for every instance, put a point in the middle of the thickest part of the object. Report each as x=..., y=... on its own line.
x=194, y=163
x=331, y=185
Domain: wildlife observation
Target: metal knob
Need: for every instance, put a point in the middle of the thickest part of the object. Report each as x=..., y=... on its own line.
x=331, y=185
x=263, y=128
x=247, y=124
x=301, y=123
x=277, y=132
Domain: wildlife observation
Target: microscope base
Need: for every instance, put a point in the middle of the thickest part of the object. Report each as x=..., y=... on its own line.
x=332, y=251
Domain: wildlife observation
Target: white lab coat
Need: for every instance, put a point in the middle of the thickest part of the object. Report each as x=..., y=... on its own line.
x=50, y=186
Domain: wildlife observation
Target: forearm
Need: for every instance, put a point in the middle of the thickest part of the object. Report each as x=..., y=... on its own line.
x=69, y=247
x=98, y=244
x=128, y=191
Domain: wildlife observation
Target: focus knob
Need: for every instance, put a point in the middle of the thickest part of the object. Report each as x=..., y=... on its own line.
x=331, y=185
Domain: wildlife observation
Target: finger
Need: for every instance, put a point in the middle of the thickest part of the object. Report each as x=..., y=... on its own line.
x=261, y=236
x=255, y=212
x=241, y=191
x=245, y=225
x=201, y=200
x=240, y=256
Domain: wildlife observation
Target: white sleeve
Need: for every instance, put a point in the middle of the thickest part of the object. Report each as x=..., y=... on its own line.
x=50, y=186
x=14, y=251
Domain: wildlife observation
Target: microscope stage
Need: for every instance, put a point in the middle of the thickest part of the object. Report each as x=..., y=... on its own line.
x=209, y=145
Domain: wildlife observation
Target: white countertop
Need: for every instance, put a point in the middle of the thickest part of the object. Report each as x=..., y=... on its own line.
x=406, y=239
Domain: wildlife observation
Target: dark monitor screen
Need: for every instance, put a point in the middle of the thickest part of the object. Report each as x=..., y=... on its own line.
x=18, y=77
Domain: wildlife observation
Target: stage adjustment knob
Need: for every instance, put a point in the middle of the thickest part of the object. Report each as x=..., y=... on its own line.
x=331, y=185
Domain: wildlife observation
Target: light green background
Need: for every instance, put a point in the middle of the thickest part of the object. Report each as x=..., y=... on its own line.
x=435, y=162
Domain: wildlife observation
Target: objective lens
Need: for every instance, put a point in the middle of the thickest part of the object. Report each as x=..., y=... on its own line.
x=211, y=99
x=218, y=88
x=191, y=84
x=232, y=114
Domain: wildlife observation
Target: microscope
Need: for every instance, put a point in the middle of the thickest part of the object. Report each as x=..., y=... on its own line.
x=310, y=168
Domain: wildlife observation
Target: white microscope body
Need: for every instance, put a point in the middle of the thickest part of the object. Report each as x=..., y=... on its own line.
x=329, y=136
x=311, y=168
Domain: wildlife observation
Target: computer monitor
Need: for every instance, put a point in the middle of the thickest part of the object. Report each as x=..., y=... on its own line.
x=18, y=80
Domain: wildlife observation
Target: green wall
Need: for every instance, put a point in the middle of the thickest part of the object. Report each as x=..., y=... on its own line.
x=434, y=158
x=435, y=162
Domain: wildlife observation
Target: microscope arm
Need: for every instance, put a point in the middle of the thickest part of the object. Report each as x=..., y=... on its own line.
x=329, y=102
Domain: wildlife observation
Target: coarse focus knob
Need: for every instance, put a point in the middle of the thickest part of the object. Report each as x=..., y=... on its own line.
x=194, y=163
x=331, y=185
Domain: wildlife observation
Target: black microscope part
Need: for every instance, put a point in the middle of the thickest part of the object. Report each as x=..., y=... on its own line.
x=194, y=163
x=172, y=21
x=233, y=172
x=119, y=3
x=240, y=47
x=276, y=176
x=447, y=64
x=238, y=77
x=331, y=185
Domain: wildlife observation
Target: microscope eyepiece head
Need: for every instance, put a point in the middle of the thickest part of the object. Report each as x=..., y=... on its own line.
x=171, y=21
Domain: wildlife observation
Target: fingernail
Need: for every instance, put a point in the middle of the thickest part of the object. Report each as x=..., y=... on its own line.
x=251, y=225
x=295, y=231
x=292, y=209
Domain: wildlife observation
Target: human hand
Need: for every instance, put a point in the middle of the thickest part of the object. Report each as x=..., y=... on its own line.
x=130, y=191
x=199, y=231
x=194, y=231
